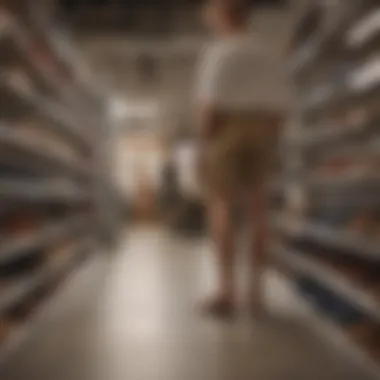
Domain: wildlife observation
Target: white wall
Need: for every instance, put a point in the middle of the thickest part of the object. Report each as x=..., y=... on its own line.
x=136, y=158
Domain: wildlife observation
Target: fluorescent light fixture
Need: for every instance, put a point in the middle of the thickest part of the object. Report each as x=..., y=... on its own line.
x=366, y=76
x=365, y=29
x=123, y=109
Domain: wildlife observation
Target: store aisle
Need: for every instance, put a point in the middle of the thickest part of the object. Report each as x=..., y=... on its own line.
x=131, y=316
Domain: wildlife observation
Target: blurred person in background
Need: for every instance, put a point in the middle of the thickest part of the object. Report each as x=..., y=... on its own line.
x=241, y=104
x=170, y=194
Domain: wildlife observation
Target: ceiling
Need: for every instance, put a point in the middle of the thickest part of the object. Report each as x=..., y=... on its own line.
x=74, y=5
x=152, y=17
x=169, y=64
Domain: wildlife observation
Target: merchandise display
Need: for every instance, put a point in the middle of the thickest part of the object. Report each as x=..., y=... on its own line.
x=331, y=248
x=52, y=176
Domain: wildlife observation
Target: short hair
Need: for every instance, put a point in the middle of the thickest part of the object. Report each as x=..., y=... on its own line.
x=237, y=10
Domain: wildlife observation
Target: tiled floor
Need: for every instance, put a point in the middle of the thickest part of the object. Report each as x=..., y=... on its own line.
x=130, y=316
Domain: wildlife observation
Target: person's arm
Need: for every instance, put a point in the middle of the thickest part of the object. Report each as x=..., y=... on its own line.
x=208, y=94
x=205, y=132
x=207, y=129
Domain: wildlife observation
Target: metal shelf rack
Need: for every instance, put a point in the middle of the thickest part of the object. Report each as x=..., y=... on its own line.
x=53, y=179
x=329, y=230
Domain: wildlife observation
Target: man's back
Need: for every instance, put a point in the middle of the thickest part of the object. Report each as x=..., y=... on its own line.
x=241, y=73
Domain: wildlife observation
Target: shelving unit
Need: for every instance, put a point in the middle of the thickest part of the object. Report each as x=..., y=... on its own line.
x=333, y=333
x=36, y=290
x=329, y=229
x=341, y=239
x=53, y=177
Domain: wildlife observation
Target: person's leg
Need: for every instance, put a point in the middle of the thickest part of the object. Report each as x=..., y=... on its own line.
x=259, y=213
x=221, y=229
x=264, y=142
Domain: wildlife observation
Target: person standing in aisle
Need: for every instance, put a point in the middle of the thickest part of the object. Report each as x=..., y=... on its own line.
x=242, y=101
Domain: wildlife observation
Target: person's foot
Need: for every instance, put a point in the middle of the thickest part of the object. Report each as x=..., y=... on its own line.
x=219, y=307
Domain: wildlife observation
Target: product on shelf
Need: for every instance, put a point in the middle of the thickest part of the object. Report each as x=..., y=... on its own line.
x=40, y=138
x=23, y=310
x=6, y=328
x=365, y=29
x=22, y=224
x=367, y=76
x=60, y=252
x=363, y=223
x=362, y=332
x=18, y=81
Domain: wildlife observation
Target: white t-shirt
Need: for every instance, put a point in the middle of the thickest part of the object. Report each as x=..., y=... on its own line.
x=240, y=73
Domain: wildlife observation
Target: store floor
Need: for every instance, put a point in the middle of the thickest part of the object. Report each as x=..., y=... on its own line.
x=130, y=316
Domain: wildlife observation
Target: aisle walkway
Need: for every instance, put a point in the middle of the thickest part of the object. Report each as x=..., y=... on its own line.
x=131, y=317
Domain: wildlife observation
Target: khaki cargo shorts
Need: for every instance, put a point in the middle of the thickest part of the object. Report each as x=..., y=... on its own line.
x=243, y=155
